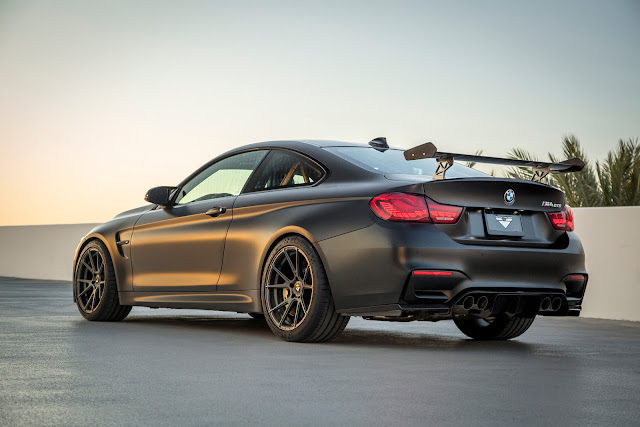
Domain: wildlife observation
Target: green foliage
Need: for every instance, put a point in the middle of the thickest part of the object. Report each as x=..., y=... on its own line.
x=581, y=188
x=619, y=175
x=615, y=182
x=520, y=172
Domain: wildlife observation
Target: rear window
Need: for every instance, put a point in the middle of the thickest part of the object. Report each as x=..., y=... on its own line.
x=392, y=161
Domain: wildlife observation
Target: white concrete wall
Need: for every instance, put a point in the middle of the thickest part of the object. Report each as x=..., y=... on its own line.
x=40, y=251
x=611, y=239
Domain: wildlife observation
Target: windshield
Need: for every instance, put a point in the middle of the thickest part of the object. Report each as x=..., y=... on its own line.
x=392, y=161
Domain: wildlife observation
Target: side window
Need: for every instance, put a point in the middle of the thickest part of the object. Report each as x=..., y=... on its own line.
x=224, y=178
x=287, y=169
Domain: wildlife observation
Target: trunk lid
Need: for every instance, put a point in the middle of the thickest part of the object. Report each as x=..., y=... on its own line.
x=500, y=211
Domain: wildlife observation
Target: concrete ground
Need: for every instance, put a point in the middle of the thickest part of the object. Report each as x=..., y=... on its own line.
x=174, y=367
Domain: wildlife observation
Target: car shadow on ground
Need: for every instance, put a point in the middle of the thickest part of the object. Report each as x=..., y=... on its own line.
x=258, y=329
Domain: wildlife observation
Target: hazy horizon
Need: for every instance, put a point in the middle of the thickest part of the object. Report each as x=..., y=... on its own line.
x=101, y=100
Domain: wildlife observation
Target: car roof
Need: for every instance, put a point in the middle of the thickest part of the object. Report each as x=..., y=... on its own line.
x=332, y=143
x=320, y=143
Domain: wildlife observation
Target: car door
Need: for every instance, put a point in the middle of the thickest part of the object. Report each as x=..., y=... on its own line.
x=279, y=195
x=180, y=248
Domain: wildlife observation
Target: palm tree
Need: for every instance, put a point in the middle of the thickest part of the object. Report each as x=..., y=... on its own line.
x=615, y=182
x=580, y=188
x=619, y=175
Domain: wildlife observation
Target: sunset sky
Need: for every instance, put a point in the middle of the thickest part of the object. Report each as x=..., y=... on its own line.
x=100, y=100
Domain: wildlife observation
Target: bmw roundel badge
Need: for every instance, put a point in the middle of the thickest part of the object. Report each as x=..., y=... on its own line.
x=509, y=197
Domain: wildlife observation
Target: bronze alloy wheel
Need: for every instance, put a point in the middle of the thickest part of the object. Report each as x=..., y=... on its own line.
x=94, y=285
x=289, y=290
x=296, y=296
x=90, y=280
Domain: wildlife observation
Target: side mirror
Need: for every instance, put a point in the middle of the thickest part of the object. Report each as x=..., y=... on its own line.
x=159, y=195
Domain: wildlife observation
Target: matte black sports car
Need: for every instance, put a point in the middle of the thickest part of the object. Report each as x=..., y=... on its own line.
x=308, y=233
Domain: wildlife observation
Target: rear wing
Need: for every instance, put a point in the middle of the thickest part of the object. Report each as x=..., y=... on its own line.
x=445, y=161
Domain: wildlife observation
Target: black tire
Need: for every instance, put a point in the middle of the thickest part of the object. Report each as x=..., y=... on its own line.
x=105, y=305
x=497, y=329
x=320, y=322
x=257, y=316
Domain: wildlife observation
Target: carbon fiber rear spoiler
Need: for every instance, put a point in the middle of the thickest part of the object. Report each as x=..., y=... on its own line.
x=445, y=161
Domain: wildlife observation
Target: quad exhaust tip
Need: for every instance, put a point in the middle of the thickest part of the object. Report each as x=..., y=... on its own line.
x=468, y=302
x=483, y=302
x=549, y=304
x=545, y=304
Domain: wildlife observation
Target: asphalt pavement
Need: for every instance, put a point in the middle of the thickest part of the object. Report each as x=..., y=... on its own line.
x=192, y=367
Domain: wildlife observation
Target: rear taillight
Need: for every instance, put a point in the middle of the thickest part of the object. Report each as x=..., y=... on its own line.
x=400, y=207
x=562, y=220
x=413, y=208
x=443, y=214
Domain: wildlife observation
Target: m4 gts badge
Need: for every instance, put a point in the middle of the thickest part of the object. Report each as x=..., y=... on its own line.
x=551, y=205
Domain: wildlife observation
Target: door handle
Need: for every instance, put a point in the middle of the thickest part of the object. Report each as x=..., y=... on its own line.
x=217, y=211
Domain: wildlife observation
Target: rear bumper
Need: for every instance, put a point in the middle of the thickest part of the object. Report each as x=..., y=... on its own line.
x=370, y=270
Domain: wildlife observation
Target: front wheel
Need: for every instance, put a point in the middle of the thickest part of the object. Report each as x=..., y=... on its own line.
x=497, y=329
x=94, y=285
x=296, y=298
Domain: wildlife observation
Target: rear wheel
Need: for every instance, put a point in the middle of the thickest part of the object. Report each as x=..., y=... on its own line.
x=94, y=285
x=296, y=298
x=497, y=329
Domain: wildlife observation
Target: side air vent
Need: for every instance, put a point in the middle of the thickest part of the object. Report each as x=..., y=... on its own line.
x=123, y=241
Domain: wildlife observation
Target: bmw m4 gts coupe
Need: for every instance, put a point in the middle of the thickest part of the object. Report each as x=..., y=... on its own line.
x=306, y=234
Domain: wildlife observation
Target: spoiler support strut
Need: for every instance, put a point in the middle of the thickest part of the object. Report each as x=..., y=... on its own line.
x=443, y=166
x=445, y=161
x=539, y=174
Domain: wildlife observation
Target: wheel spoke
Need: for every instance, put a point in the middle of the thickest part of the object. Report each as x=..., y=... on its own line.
x=281, y=274
x=304, y=277
x=295, y=316
x=85, y=281
x=293, y=269
x=278, y=306
x=86, y=306
x=84, y=291
x=278, y=286
x=304, y=307
x=93, y=266
x=87, y=266
x=297, y=264
x=286, y=313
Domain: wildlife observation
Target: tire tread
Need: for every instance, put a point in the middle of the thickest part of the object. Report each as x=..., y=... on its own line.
x=499, y=329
